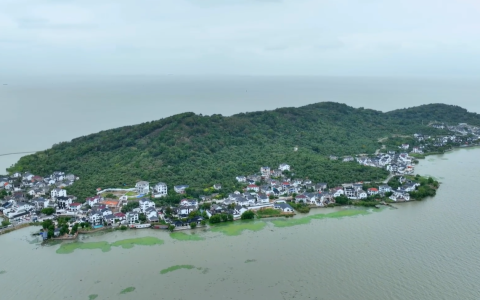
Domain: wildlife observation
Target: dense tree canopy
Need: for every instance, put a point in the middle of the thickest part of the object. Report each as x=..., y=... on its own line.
x=203, y=150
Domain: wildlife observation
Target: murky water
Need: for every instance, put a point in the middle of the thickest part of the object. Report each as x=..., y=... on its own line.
x=423, y=250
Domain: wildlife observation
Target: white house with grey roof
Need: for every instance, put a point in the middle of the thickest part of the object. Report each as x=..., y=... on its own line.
x=142, y=187
x=55, y=193
x=180, y=189
x=145, y=204
x=160, y=190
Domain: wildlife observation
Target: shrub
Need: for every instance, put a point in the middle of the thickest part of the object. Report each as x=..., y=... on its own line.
x=248, y=215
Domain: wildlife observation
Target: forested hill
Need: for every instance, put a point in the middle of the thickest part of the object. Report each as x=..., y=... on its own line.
x=203, y=150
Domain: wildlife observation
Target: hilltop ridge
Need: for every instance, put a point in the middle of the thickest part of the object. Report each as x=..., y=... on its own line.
x=201, y=150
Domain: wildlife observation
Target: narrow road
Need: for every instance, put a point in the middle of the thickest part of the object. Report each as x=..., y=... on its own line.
x=388, y=178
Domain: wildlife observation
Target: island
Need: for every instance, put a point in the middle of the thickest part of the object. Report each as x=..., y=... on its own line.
x=189, y=170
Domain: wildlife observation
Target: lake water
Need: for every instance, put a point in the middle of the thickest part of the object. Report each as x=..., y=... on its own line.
x=38, y=112
x=422, y=250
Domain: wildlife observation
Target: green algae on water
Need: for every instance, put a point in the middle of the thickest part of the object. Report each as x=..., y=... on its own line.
x=144, y=241
x=70, y=247
x=127, y=290
x=3, y=272
x=236, y=228
x=175, y=268
x=181, y=236
x=92, y=297
x=250, y=261
x=306, y=220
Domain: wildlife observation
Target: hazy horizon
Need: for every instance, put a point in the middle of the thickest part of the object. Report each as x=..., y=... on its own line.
x=253, y=37
x=45, y=110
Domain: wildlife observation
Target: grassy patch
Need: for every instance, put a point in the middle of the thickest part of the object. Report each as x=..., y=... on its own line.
x=306, y=220
x=268, y=212
x=236, y=228
x=131, y=194
x=127, y=290
x=92, y=297
x=105, y=246
x=181, y=236
x=70, y=247
x=144, y=241
x=175, y=268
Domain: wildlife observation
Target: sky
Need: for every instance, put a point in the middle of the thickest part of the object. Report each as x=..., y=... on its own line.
x=240, y=37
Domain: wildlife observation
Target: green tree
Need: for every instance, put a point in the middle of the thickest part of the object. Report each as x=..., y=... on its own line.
x=48, y=211
x=46, y=224
x=5, y=223
x=342, y=200
x=215, y=219
x=171, y=228
x=142, y=218
x=203, y=222
x=193, y=225
x=248, y=215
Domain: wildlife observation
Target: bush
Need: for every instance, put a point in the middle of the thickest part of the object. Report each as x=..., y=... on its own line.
x=48, y=211
x=123, y=227
x=193, y=225
x=248, y=215
x=215, y=219
x=171, y=227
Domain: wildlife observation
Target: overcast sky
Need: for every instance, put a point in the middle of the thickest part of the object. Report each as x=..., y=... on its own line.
x=248, y=37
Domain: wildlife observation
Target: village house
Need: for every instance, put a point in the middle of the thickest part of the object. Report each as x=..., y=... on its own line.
x=75, y=206
x=40, y=203
x=145, y=204
x=284, y=167
x=189, y=202
x=160, y=190
x=55, y=193
x=301, y=199
x=217, y=187
x=241, y=178
x=151, y=214
x=265, y=171
x=253, y=187
x=319, y=187
x=94, y=200
x=338, y=191
x=283, y=206
x=120, y=217
x=142, y=187
x=63, y=202
x=180, y=189
x=372, y=191
x=95, y=219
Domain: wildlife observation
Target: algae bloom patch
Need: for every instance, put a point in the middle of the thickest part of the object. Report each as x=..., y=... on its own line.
x=127, y=290
x=306, y=220
x=236, y=228
x=68, y=248
x=175, y=268
x=144, y=241
x=93, y=297
x=181, y=236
